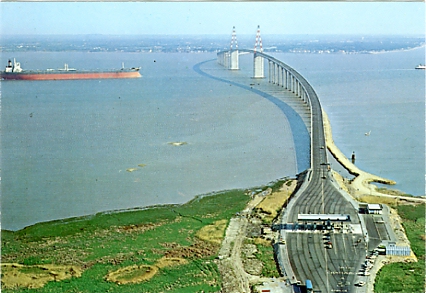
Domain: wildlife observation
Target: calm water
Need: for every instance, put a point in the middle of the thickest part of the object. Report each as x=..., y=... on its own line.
x=381, y=93
x=66, y=145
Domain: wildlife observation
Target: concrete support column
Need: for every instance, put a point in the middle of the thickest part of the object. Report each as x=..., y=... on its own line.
x=279, y=75
x=234, y=60
x=258, y=66
x=300, y=89
x=275, y=73
x=296, y=87
x=269, y=71
x=226, y=60
x=286, y=79
x=220, y=58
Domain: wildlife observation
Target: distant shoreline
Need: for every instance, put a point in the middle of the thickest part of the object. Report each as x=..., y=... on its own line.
x=400, y=50
x=316, y=44
x=353, y=52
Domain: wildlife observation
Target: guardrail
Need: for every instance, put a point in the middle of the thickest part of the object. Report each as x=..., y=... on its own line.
x=301, y=87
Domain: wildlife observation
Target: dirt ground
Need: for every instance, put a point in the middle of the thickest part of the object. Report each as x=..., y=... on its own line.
x=237, y=264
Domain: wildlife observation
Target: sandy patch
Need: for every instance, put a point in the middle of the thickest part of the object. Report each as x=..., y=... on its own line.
x=35, y=276
x=141, y=273
x=178, y=143
x=132, y=274
x=213, y=233
x=273, y=202
x=170, y=262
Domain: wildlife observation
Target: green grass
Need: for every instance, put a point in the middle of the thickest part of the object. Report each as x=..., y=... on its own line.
x=276, y=185
x=407, y=277
x=100, y=244
x=266, y=255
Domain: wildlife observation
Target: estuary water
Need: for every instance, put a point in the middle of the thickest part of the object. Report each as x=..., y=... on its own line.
x=376, y=106
x=67, y=146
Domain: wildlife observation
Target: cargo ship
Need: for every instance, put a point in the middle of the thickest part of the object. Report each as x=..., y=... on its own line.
x=14, y=71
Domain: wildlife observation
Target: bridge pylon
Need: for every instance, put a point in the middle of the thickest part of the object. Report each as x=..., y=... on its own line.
x=233, y=58
x=258, y=62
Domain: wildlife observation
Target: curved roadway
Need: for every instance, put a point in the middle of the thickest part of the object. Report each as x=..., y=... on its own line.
x=330, y=270
x=304, y=255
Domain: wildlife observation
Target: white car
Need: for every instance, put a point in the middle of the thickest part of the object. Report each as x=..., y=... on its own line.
x=360, y=283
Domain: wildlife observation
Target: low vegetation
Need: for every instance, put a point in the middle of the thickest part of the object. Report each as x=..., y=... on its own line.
x=272, y=205
x=160, y=249
x=265, y=253
x=268, y=210
x=407, y=277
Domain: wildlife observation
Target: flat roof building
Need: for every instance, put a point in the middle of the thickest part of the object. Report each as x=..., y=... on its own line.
x=323, y=217
x=374, y=208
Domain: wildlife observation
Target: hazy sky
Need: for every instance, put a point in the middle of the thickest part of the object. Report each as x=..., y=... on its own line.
x=212, y=18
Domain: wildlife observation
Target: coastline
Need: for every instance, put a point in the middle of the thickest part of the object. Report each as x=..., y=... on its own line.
x=397, y=50
x=360, y=185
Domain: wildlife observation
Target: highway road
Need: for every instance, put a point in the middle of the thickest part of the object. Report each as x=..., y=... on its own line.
x=304, y=254
x=330, y=269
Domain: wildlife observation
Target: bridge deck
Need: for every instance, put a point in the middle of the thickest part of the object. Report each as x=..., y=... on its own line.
x=331, y=265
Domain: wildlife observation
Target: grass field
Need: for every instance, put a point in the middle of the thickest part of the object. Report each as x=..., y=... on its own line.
x=104, y=243
x=407, y=277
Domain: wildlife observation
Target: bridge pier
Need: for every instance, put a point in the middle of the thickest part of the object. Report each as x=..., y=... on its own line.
x=258, y=66
x=271, y=72
x=285, y=82
x=220, y=58
x=226, y=59
x=279, y=75
x=234, y=60
x=299, y=90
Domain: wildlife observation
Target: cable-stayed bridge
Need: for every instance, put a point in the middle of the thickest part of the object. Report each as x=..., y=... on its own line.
x=311, y=249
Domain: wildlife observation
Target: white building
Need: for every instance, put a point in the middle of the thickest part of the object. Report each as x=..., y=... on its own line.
x=374, y=208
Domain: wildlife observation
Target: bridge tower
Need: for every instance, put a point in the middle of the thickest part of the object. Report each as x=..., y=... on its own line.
x=234, y=59
x=259, y=63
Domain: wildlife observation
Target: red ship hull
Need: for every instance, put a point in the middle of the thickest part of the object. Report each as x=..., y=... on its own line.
x=69, y=75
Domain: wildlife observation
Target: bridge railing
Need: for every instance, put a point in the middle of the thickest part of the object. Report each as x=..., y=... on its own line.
x=295, y=82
